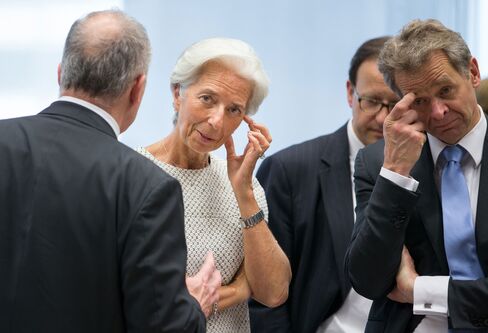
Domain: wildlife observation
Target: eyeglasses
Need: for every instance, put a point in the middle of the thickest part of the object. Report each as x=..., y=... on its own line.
x=372, y=105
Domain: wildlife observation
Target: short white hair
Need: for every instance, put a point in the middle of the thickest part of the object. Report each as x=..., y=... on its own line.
x=235, y=54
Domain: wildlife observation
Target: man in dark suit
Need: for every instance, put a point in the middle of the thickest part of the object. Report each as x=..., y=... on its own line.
x=405, y=192
x=91, y=233
x=310, y=197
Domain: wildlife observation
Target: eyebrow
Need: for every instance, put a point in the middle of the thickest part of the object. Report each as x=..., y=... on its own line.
x=442, y=80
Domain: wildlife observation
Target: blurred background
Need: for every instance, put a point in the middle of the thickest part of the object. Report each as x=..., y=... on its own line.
x=305, y=47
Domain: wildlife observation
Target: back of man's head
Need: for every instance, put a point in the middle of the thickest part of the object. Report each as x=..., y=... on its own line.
x=104, y=53
x=370, y=49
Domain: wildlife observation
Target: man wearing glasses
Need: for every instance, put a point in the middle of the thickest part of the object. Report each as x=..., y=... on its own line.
x=311, y=203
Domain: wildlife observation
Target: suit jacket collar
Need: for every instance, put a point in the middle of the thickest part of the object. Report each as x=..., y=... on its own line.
x=335, y=183
x=81, y=114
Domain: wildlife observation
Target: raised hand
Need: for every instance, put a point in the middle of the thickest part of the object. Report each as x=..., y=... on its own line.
x=204, y=286
x=240, y=167
x=404, y=137
x=405, y=280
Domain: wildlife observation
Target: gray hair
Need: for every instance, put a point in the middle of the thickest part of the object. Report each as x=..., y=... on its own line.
x=103, y=63
x=409, y=50
x=234, y=53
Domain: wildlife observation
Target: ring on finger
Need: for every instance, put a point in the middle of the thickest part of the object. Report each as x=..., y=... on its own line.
x=215, y=308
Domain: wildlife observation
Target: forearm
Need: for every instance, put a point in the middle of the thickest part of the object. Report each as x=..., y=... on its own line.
x=236, y=292
x=374, y=255
x=267, y=267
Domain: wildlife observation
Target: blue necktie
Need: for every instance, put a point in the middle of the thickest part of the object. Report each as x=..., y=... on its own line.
x=459, y=237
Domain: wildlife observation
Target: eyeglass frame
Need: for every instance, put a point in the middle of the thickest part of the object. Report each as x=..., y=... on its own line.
x=373, y=100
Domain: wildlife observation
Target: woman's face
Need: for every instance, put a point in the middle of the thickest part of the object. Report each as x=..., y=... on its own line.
x=210, y=109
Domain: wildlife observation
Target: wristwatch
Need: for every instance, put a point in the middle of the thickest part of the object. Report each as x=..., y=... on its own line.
x=253, y=220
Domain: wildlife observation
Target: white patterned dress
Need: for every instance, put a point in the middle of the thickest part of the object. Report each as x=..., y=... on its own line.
x=212, y=224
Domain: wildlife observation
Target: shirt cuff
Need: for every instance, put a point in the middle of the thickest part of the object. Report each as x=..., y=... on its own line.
x=407, y=183
x=430, y=295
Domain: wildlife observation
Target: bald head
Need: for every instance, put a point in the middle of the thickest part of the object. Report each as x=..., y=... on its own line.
x=103, y=54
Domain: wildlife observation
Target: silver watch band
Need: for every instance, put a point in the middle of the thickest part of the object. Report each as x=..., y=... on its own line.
x=253, y=220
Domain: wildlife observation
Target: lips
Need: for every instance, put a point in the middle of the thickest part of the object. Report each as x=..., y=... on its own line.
x=205, y=137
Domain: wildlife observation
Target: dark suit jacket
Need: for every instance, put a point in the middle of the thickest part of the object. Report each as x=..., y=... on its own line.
x=389, y=216
x=91, y=232
x=309, y=194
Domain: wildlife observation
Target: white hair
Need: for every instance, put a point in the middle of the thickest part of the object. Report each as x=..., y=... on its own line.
x=234, y=53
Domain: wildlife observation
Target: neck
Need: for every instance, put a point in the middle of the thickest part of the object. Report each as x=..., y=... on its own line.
x=115, y=107
x=174, y=152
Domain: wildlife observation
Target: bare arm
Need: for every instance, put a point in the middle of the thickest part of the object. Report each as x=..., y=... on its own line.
x=236, y=292
x=266, y=266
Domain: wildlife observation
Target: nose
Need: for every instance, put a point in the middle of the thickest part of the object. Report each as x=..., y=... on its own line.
x=216, y=117
x=439, y=109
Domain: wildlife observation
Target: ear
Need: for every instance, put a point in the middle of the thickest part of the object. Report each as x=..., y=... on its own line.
x=474, y=72
x=350, y=93
x=137, y=91
x=59, y=74
x=176, y=97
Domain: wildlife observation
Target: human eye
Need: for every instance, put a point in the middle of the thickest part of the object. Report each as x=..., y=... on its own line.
x=206, y=98
x=420, y=101
x=370, y=102
x=235, y=110
x=445, y=91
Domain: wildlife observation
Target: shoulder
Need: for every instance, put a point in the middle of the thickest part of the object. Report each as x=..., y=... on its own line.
x=138, y=171
x=308, y=154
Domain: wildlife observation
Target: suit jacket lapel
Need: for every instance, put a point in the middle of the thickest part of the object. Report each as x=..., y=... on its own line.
x=429, y=203
x=481, y=227
x=335, y=182
x=81, y=114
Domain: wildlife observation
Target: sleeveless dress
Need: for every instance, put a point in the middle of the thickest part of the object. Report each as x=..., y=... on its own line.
x=212, y=224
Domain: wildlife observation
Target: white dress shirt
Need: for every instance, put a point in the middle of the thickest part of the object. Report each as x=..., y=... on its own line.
x=353, y=314
x=92, y=107
x=430, y=292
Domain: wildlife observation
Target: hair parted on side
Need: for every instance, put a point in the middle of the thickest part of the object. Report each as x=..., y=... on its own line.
x=103, y=63
x=234, y=53
x=411, y=48
x=370, y=49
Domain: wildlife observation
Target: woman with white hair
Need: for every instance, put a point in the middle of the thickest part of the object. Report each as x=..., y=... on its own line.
x=216, y=84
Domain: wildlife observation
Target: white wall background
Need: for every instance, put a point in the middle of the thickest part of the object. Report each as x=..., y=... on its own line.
x=305, y=45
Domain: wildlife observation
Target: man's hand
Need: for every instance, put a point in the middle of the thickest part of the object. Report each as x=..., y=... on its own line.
x=405, y=280
x=204, y=286
x=404, y=137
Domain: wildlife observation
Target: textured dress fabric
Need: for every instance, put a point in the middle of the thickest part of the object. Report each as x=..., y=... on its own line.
x=212, y=224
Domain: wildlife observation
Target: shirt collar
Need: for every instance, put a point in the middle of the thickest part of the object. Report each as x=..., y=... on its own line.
x=470, y=142
x=354, y=143
x=92, y=107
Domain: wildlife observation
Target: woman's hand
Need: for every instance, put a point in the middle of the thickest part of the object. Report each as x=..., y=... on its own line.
x=236, y=292
x=240, y=168
x=204, y=286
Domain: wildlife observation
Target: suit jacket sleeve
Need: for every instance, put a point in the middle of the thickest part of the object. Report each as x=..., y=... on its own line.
x=382, y=214
x=153, y=262
x=272, y=177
